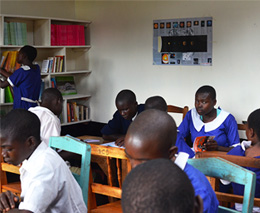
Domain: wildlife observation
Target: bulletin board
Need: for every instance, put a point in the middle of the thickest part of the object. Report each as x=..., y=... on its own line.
x=185, y=41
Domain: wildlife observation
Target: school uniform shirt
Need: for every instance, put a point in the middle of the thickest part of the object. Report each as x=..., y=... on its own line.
x=119, y=125
x=238, y=188
x=50, y=123
x=200, y=184
x=223, y=127
x=48, y=185
x=26, y=83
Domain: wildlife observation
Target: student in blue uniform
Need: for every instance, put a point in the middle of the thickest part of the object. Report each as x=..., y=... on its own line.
x=127, y=110
x=250, y=148
x=152, y=135
x=150, y=187
x=158, y=102
x=205, y=120
x=26, y=81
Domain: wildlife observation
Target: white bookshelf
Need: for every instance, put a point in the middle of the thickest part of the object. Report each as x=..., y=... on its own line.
x=75, y=57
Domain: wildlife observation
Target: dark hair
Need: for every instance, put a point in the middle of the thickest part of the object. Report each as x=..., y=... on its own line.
x=20, y=124
x=29, y=51
x=156, y=102
x=207, y=89
x=50, y=94
x=126, y=96
x=253, y=122
x=157, y=185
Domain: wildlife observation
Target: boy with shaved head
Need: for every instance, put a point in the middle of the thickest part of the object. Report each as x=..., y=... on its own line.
x=153, y=135
x=149, y=187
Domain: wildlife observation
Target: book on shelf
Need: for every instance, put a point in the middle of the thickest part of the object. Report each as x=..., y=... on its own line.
x=45, y=66
x=42, y=88
x=8, y=95
x=53, y=83
x=15, y=33
x=66, y=85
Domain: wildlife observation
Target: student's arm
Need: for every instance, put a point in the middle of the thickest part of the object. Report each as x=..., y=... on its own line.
x=212, y=145
x=4, y=84
x=4, y=73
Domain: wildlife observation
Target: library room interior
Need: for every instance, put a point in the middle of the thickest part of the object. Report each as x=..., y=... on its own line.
x=109, y=63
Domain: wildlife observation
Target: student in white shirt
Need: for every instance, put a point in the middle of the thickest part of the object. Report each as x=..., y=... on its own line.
x=47, y=183
x=48, y=113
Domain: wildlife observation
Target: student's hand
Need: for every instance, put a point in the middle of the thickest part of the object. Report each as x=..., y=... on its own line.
x=211, y=145
x=7, y=201
x=120, y=141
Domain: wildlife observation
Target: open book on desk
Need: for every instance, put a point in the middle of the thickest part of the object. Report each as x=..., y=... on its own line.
x=112, y=144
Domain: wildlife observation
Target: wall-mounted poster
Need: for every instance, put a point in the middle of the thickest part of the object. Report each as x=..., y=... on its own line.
x=186, y=41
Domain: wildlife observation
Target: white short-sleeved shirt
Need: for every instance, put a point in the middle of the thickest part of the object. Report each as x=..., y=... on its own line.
x=50, y=123
x=48, y=185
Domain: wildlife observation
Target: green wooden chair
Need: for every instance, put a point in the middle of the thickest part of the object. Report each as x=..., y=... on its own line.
x=76, y=146
x=223, y=169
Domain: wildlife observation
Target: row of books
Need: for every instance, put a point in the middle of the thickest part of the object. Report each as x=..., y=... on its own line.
x=15, y=33
x=53, y=64
x=67, y=35
x=76, y=112
x=8, y=61
x=65, y=84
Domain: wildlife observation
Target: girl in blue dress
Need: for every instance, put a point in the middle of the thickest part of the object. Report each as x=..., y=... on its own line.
x=206, y=120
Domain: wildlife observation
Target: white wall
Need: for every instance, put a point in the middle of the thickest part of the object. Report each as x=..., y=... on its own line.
x=121, y=54
x=44, y=8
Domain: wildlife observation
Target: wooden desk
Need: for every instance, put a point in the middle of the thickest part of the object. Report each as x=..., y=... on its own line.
x=102, y=161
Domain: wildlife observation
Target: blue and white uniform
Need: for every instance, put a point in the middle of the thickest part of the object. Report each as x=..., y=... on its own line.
x=26, y=83
x=200, y=184
x=223, y=128
x=238, y=188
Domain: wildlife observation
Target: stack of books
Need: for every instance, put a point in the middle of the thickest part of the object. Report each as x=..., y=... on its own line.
x=70, y=35
x=15, y=33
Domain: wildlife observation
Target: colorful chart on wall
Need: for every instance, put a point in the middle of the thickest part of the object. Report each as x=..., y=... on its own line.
x=185, y=41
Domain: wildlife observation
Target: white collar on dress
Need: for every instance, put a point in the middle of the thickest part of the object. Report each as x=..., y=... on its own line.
x=245, y=144
x=198, y=123
x=25, y=67
x=181, y=160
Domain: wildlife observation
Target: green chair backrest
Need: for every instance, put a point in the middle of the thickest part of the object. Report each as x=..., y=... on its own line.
x=223, y=169
x=76, y=146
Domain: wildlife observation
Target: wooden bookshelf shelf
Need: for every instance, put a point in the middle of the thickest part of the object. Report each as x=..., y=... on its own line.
x=39, y=33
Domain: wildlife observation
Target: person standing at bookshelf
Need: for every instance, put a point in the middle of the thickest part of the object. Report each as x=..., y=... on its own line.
x=48, y=112
x=25, y=81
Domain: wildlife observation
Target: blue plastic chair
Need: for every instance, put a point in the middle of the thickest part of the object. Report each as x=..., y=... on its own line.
x=223, y=169
x=76, y=146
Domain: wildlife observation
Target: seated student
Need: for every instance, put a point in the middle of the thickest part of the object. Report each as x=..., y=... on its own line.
x=48, y=113
x=46, y=181
x=159, y=186
x=152, y=135
x=205, y=120
x=158, y=102
x=26, y=81
x=250, y=148
x=127, y=110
